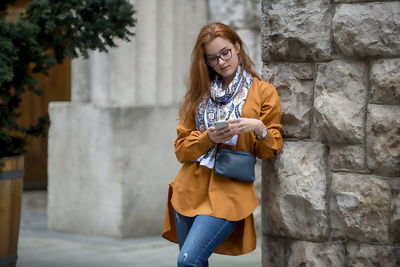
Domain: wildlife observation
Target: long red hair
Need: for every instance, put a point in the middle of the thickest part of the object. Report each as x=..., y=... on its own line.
x=201, y=74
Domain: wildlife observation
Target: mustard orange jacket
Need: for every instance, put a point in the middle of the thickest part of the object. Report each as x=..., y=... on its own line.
x=197, y=190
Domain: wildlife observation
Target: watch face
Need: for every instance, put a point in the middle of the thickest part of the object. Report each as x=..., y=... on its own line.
x=264, y=133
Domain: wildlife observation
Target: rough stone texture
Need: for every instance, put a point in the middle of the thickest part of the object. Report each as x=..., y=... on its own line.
x=359, y=207
x=383, y=139
x=236, y=13
x=347, y=158
x=355, y=1
x=395, y=211
x=349, y=51
x=339, y=102
x=385, y=82
x=296, y=30
x=102, y=181
x=362, y=255
x=294, y=84
x=286, y=253
x=367, y=30
x=274, y=251
x=294, y=194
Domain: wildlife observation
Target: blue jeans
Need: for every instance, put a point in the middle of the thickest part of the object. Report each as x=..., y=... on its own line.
x=199, y=236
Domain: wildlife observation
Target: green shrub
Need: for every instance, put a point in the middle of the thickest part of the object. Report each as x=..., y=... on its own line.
x=47, y=33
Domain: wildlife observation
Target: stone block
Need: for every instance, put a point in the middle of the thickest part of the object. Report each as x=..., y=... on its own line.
x=340, y=102
x=296, y=30
x=385, y=81
x=367, y=29
x=372, y=256
x=274, y=251
x=347, y=158
x=359, y=207
x=278, y=252
x=109, y=168
x=395, y=211
x=383, y=139
x=237, y=14
x=294, y=192
x=294, y=83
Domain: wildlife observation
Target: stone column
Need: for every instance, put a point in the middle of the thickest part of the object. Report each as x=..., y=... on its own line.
x=332, y=197
x=111, y=153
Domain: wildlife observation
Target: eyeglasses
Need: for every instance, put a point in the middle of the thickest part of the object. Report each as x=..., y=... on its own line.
x=224, y=55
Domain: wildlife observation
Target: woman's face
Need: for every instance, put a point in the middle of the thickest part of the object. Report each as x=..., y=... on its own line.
x=217, y=50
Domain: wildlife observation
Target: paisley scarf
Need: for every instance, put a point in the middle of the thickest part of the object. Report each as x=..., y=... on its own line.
x=222, y=105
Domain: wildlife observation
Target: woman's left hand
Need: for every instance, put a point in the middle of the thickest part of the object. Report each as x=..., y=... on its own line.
x=245, y=125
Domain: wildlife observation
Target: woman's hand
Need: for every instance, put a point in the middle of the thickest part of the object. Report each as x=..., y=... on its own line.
x=220, y=136
x=244, y=125
x=236, y=126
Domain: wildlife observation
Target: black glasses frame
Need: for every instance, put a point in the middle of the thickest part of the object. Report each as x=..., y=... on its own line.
x=208, y=60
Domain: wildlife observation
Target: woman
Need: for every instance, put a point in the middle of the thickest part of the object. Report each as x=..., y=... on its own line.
x=207, y=213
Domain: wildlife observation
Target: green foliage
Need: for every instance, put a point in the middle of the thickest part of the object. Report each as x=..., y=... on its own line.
x=49, y=32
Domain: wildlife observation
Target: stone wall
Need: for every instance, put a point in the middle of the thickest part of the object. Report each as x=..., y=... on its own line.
x=332, y=197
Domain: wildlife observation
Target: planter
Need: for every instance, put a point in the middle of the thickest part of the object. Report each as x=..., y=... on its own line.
x=11, y=180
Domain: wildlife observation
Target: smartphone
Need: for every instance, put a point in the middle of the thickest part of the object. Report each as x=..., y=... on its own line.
x=221, y=125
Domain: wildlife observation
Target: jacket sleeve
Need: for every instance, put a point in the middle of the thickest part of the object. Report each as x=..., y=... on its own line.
x=271, y=115
x=190, y=143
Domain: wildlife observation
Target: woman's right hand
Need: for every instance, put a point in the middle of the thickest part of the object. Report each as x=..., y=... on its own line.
x=220, y=136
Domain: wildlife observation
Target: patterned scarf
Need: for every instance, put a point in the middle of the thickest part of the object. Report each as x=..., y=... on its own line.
x=222, y=105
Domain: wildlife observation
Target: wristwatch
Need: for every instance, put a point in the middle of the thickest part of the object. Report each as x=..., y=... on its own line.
x=263, y=134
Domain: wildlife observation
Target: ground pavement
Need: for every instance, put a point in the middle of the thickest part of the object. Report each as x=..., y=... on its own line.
x=39, y=247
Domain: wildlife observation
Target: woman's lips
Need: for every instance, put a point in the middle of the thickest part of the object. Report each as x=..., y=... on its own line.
x=224, y=68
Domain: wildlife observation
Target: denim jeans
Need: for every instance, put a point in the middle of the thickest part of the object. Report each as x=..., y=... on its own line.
x=199, y=236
